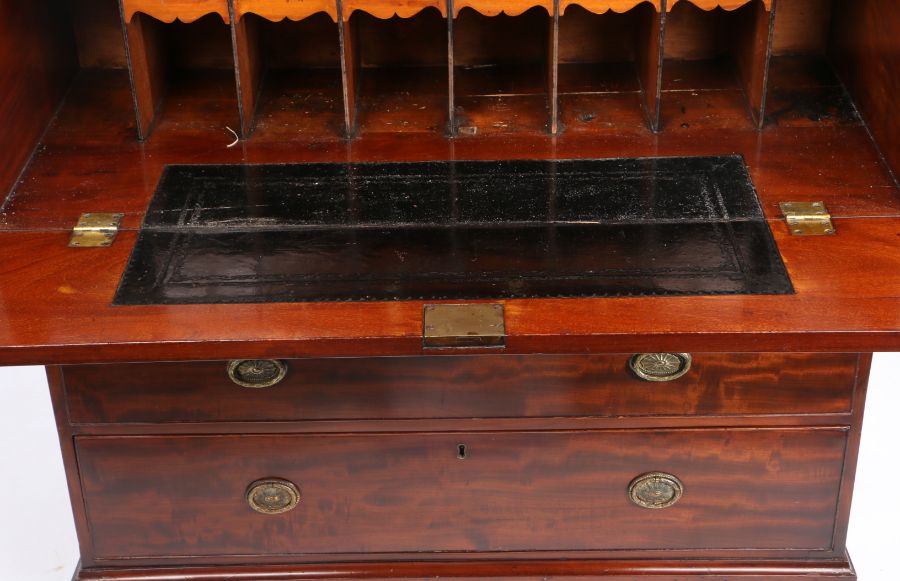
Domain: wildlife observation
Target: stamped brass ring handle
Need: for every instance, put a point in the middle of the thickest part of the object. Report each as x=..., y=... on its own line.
x=257, y=373
x=655, y=490
x=273, y=496
x=660, y=366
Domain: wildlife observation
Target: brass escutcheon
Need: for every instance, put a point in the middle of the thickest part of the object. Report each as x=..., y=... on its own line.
x=256, y=373
x=655, y=490
x=660, y=366
x=273, y=496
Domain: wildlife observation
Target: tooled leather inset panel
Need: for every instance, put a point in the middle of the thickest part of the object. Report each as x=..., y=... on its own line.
x=453, y=230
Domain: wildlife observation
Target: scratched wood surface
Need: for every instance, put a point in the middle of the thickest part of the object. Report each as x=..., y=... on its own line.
x=834, y=308
x=811, y=150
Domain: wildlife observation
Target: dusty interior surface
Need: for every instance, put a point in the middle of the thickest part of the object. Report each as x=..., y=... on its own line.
x=815, y=144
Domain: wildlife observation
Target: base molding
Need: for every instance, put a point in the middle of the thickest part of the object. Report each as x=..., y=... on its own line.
x=511, y=570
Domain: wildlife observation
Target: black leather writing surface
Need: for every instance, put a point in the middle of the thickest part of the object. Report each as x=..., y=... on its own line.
x=453, y=230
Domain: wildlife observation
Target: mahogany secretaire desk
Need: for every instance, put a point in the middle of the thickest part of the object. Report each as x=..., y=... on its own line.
x=465, y=289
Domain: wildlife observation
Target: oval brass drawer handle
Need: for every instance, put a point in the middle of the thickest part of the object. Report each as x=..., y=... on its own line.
x=273, y=496
x=655, y=490
x=257, y=373
x=660, y=366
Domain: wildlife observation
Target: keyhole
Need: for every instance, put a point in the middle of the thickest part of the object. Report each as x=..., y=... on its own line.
x=461, y=451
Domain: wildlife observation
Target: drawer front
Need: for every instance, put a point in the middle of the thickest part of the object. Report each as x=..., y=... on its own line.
x=385, y=493
x=486, y=386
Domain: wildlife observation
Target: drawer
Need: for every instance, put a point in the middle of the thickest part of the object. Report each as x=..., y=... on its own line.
x=482, y=386
x=390, y=493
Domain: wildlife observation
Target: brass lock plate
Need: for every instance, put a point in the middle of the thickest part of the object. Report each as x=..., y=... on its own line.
x=475, y=325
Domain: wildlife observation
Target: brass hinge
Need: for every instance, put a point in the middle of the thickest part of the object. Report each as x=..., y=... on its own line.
x=807, y=218
x=95, y=230
x=473, y=325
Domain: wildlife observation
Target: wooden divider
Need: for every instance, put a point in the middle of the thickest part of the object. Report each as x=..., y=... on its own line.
x=751, y=42
x=753, y=55
x=650, y=17
x=489, y=116
x=249, y=65
x=349, y=68
x=381, y=96
x=143, y=20
x=145, y=51
x=553, y=68
x=650, y=61
x=451, y=77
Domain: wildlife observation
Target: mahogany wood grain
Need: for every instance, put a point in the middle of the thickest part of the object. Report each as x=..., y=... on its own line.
x=108, y=170
x=37, y=62
x=399, y=91
x=604, y=60
x=507, y=570
x=146, y=66
x=738, y=42
x=765, y=442
x=695, y=34
x=70, y=462
x=300, y=90
x=98, y=32
x=158, y=56
x=744, y=489
x=833, y=310
x=866, y=47
x=305, y=102
x=802, y=27
x=485, y=386
x=502, y=70
x=851, y=459
x=603, y=39
x=497, y=41
x=307, y=46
